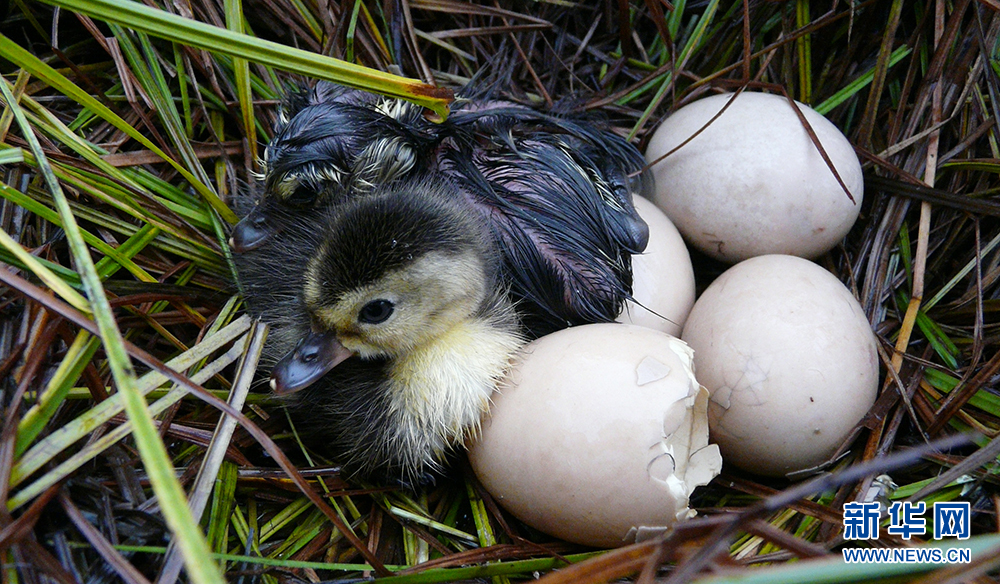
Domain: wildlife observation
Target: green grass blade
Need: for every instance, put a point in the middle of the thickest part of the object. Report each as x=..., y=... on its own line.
x=433, y=525
x=204, y=36
x=122, y=257
x=942, y=344
x=201, y=568
x=803, y=48
x=283, y=518
x=860, y=83
x=22, y=58
x=982, y=399
x=241, y=71
x=54, y=282
x=10, y=155
x=315, y=28
x=182, y=81
x=223, y=501
x=66, y=274
x=351, y=28
x=305, y=531
x=77, y=357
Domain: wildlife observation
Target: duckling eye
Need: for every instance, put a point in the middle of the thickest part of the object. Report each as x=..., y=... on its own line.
x=376, y=311
x=302, y=196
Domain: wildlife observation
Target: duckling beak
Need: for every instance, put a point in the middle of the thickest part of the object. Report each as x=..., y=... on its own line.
x=252, y=231
x=312, y=358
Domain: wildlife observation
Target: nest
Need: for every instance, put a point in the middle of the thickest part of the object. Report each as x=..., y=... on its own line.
x=145, y=140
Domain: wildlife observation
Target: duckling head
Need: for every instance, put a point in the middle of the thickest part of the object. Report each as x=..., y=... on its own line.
x=328, y=144
x=397, y=272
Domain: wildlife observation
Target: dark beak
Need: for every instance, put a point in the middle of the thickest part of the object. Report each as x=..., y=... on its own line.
x=252, y=231
x=312, y=358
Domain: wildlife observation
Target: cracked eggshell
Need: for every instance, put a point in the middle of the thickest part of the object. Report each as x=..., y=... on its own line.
x=789, y=359
x=752, y=182
x=663, y=278
x=598, y=435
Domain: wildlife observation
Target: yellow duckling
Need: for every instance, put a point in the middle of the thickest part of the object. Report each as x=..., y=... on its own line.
x=411, y=330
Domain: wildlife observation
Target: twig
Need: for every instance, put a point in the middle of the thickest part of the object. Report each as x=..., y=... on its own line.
x=217, y=449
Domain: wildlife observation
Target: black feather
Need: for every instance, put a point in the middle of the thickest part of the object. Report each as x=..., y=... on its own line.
x=331, y=142
x=558, y=196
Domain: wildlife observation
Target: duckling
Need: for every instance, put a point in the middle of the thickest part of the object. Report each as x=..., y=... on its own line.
x=410, y=329
x=329, y=143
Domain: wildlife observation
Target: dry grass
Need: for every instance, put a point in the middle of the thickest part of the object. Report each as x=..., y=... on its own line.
x=913, y=85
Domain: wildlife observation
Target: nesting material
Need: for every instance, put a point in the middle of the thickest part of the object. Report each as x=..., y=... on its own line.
x=752, y=182
x=789, y=359
x=598, y=435
x=662, y=276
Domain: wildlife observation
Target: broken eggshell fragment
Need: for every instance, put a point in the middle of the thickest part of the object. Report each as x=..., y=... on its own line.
x=598, y=435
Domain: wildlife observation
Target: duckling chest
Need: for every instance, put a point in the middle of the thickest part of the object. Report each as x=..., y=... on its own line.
x=445, y=386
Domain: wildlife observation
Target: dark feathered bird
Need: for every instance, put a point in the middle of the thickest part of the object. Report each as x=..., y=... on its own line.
x=330, y=143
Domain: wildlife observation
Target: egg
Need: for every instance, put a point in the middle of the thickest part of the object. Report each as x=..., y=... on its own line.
x=752, y=182
x=662, y=276
x=789, y=359
x=598, y=435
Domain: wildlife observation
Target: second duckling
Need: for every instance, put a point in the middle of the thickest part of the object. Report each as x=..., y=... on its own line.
x=411, y=330
x=331, y=142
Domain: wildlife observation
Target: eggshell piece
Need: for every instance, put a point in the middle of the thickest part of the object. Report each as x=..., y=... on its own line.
x=752, y=182
x=789, y=359
x=662, y=276
x=598, y=435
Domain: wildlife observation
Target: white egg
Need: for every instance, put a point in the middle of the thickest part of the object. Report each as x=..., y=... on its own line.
x=662, y=276
x=598, y=435
x=752, y=182
x=789, y=359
